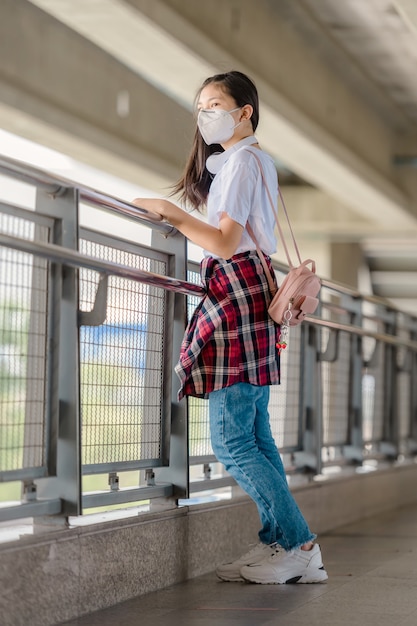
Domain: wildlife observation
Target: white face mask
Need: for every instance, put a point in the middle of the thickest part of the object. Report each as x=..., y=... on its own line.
x=216, y=125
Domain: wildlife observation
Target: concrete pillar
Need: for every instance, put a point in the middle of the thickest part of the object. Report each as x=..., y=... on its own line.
x=346, y=263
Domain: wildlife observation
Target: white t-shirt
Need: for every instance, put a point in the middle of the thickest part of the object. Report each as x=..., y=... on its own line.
x=238, y=190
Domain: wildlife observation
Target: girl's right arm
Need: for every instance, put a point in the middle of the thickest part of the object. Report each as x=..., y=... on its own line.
x=222, y=241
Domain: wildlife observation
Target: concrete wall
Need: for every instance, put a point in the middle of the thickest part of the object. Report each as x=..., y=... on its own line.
x=60, y=575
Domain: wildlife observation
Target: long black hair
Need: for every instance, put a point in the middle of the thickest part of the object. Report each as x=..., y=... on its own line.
x=194, y=184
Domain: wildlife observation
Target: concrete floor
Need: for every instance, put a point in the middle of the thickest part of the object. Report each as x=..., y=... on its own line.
x=372, y=567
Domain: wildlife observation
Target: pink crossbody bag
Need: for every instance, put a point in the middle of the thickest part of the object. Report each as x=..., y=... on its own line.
x=297, y=296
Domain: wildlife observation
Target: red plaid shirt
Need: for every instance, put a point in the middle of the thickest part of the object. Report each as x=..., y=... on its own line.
x=230, y=337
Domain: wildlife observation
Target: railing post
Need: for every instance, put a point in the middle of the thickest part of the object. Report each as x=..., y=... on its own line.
x=353, y=451
x=63, y=406
x=175, y=414
x=310, y=402
x=390, y=435
x=413, y=406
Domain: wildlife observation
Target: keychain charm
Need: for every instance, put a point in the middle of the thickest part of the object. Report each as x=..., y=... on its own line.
x=283, y=335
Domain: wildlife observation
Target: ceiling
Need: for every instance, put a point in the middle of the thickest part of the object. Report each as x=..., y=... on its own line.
x=338, y=89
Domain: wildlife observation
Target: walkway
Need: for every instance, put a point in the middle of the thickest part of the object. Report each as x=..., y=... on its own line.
x=372, y=568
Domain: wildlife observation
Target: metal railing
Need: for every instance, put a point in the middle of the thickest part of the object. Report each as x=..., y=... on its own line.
x=90, y=328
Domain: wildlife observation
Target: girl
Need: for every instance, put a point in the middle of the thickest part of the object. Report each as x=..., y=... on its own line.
x=229, y=352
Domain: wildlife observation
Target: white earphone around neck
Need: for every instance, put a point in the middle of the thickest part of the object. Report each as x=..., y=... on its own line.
x=215, y=161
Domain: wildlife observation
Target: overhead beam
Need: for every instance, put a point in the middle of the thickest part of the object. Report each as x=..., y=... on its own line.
x=408, y=9
x=316, y=214
x=395, y=284
x=60, y=90
x=311, y=120
x=105, y=154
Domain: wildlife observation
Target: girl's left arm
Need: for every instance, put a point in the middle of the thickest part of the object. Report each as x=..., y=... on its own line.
x=221, y=241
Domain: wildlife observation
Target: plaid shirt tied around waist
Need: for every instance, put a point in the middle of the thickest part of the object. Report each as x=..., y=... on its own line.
x=230, y=337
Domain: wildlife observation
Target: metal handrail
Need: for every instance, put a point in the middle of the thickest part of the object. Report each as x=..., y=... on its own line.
x=58, y=254
x=75, y=259
x=363, y=332
x=57, y=185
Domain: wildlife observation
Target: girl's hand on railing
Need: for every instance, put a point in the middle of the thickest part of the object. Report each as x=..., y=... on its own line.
x=168, y=211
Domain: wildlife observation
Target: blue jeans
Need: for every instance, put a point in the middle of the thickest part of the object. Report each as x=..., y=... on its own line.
x=242, y=440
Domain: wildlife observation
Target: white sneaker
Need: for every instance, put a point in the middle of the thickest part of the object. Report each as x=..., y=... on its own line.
x=230, y=572
x=295, y=566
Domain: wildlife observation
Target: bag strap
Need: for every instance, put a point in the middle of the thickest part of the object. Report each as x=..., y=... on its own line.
x=272, y=286
x=275, y=212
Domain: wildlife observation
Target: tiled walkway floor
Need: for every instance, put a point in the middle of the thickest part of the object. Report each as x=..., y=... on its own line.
x=372, y=569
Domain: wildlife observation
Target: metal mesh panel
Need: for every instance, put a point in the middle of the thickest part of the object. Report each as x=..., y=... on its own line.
x=23, y=340
x=285, y=399
x=199, y=428
x=121, y=364
x=373, y=393
x=335, y=382
x=198, y=416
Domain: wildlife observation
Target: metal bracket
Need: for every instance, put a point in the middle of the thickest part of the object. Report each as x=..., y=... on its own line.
x=373, y=360
x=353, y=453
x=29, y=491
x=150, y=477
x=331, y=352
x=97, y=315
x=388, y=449
x=305, y=460
x=412, y=446
x=207, y=471
x=114, y=481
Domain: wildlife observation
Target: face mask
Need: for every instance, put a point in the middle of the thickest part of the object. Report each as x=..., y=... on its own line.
x=216, y=125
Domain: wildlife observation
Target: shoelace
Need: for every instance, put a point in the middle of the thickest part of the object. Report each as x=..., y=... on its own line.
x=278, y=550
x=273, y=546
x=251, y=551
